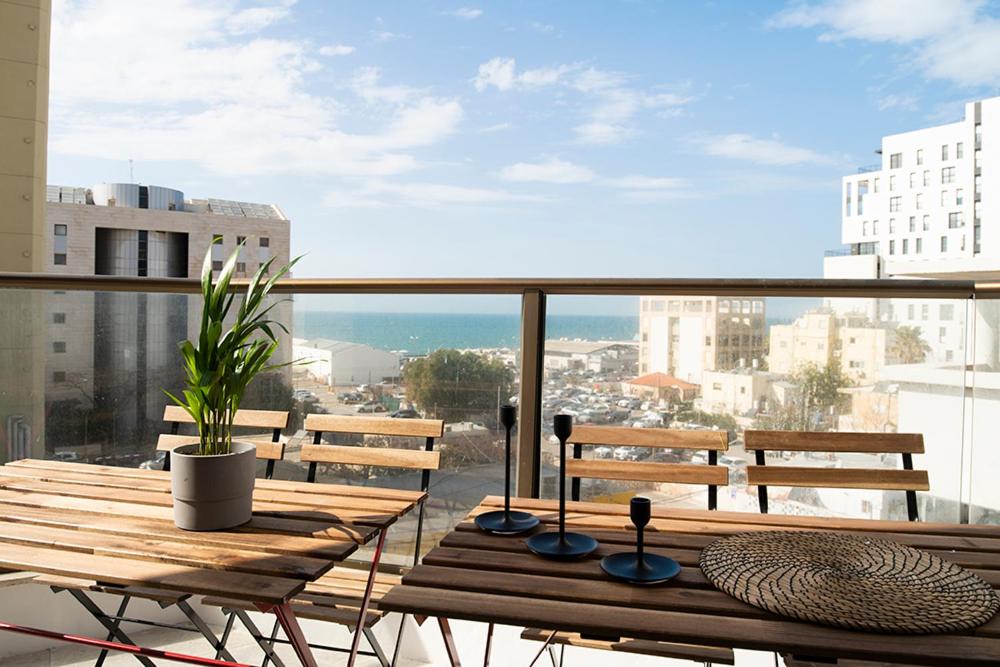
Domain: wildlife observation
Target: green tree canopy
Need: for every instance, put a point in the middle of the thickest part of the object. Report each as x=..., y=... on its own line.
x=457, y=386
x=908, y=346
x=821, y=388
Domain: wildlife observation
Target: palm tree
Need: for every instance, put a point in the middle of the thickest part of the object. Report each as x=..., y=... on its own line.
x=909, y=347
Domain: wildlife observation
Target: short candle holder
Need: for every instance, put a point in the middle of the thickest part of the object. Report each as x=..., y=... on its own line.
x=639, y=567
x=505, y=521
x=562, y=545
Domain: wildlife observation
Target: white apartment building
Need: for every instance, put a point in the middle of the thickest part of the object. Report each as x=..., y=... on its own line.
x=929, y=210
x=107, y=352
x=685, y=336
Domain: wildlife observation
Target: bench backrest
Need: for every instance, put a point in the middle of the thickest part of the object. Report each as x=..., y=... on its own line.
x=905, y=444
x=711, y=475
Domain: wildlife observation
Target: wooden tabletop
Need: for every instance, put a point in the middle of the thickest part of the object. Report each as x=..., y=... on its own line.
x=115, y=525
x=480, y=577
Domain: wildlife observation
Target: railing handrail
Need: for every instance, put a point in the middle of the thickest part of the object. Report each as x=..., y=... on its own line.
x=742, y=287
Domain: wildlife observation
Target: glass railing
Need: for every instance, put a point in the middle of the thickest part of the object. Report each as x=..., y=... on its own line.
x=85, y=363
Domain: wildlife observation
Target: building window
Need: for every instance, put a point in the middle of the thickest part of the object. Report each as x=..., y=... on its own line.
x=918, y=247
x=864, y=228
x=956, y=220
x=892, y=225
x=265, y=242
x=927, y=177
x=920, y=156
x=927, y=223
x=241, y=267
x=978, y=185
x=217, y=239
x=59, y=346
x=217, y=265
x=875, y=227
x=920, y=200
x=59, y=259
x=949, y=355
x=895, y=160
x=978, y=159
x=925, y=311
x=892, y=182
x=847, y=199
x=913, y=179
x=946, y=312
x=913, y=223
x=944, y=244
x=240, y=240
x=959, y=150
x=58, y=376
x=909, y=312
x=959, y=197
x=875, y=185
x=263, y=267
x=944, y=198
x=906, y=246
x=944, y=151
x=892, y=247
x=58, y=318
x=59, y=230
x=894, y=203
x=947, y=175
x=716, y=386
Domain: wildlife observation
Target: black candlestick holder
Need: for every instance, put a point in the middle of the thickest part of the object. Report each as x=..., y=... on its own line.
x=506, y=522
x=639, y=567
x=562, y=545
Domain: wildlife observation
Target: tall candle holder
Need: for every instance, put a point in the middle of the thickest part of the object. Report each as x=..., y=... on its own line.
x=505, y=521
x=562, y=545
x=638, y=567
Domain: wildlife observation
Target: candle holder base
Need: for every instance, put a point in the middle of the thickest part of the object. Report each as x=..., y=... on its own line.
x=575, y=545
x=499, y=523
x=652, y=570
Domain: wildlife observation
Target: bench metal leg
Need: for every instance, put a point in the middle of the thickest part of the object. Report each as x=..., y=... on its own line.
x=366, y=600
x=258, y=636
x=545, y=645
x=293, y=631
x=449, y=641
x=112, y=627
x=111, y=633
x=489, y=645
x=399, y=641
x=206, y=632
x=376, y=647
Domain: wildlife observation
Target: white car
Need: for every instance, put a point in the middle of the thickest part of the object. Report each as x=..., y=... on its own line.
x=603, y=452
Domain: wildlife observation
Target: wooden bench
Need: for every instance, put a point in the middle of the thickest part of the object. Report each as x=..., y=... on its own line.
x=267, y=450
x=340, y=595
x=885, y=479
x=711, y=475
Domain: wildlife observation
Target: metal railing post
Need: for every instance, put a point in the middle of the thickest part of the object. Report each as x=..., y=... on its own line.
x=529, y=432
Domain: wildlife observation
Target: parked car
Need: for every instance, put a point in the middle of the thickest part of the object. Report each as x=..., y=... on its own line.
x=369, y=408
x=603, y=452
x=732, y=461
x=65, y=456
x=699, y=458
x=405, y=413
x=627, y=454
x=155, y=463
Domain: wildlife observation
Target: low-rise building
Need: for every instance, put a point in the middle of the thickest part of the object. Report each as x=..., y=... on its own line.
x=660, y=387
x=340, y=363
x=739, y=392
x=596, y=356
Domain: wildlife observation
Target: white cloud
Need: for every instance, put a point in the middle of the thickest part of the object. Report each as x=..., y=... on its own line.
x=336, y=50
x=255, y=19
x=133, y=80
x=467, y=13
x=387, y=36
x=611, y=102
x=638, y=182
x=380, y=193
x=894, y=101
x=948, y=39
x=761, y=151
x=552, y=170
x=498, y=127
x=542, y=27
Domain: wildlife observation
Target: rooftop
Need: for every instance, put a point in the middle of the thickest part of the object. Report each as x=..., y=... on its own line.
x=661, y=380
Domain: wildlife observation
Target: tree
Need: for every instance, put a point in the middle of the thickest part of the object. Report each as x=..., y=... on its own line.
x=457, y=386
x=820, y=387
x=909, y=347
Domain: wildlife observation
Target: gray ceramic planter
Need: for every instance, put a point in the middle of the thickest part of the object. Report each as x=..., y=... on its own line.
x=212, y=492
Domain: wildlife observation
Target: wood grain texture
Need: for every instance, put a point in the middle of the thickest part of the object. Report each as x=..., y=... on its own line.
x=714, y=654
x=372, y=456
x=812, y=441
x=245, y=418
x=649, y=437
x=839, y=478
x=678, y=473
x=420, y=428
x=267, y=450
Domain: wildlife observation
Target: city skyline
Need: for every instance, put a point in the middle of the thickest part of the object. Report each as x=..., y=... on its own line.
x=563, y=140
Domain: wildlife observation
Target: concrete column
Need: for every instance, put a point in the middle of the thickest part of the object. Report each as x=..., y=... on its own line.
x=24, y=116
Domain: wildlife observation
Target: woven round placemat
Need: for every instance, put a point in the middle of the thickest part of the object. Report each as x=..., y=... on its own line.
x=849, y=581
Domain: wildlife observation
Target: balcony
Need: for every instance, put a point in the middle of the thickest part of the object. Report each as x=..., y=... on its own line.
x=85, y=360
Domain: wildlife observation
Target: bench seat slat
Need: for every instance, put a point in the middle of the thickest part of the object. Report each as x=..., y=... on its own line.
x=814, y=441
x=372, y=456
x=839, y=478
x=649, y=437
x=648, y=472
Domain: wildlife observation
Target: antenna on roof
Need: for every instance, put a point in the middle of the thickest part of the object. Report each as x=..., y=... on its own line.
x=131, y=177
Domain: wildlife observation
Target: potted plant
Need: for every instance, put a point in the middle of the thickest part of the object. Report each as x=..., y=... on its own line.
x=212, y=481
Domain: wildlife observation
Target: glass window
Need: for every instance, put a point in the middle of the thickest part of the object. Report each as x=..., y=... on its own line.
x=240, y=240
x=925, y=311
x=875, y=227
x=875, y=185
x=59, y=346
x=895, y=160
x=59, y=318
x=217, y=239
x=59, y=259
x=913, y=223
x=241, y=267
x=978, y=159
x=944, y=244
x=927, y=177
x=217, y=265
x=947, y=175
x=864, y=228
x=265, y=242
x=59, y=230
x=920, y=156
x=847, y=198
x=944, y=198
x=920, y=200
x=892, y=247
x=58, y=376
x=959, y=150
x=892, y=225
x=927, y=223
x=956, y=220
x=913, y=179
x=894, y=203
x=906, y=246
x=918, y=246
x=944, y=151
x=946, y=312
x=959, y=196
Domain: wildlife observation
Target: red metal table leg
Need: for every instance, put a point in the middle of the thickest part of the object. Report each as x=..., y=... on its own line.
x=114, y=646
x=369, y=587
x=290, y=624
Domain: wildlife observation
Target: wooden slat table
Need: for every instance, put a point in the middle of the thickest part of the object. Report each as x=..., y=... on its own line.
x=479, y=577
x=115, y=526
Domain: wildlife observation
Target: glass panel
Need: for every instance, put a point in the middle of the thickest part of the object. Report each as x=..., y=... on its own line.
x=983, y=458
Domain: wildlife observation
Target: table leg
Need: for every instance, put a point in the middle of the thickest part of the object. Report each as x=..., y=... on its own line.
x=489, y=645
x=369, y=587
x=545, y=645
x=290, y=624
x=449, y=642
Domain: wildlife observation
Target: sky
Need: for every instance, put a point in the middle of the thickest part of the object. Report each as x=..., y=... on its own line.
x=624, y=138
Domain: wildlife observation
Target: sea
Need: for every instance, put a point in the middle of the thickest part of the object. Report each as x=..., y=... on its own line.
x=421, y=333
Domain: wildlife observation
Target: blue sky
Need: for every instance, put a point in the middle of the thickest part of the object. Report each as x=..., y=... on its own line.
x=647, y=139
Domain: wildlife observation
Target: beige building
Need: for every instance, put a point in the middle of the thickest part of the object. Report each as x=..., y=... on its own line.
x=106, y=354
x=739, y=392
x=821, y=336
x=686, y=336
